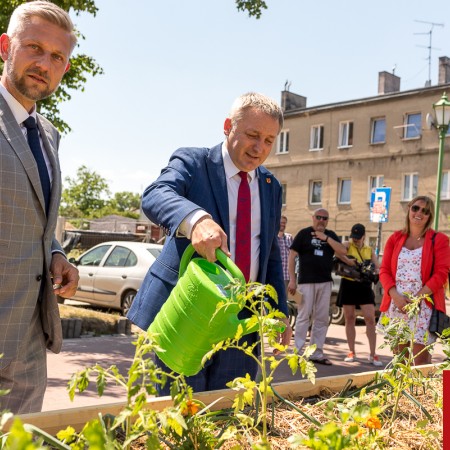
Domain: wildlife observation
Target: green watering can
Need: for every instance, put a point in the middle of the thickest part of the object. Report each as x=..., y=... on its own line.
x=188, y=324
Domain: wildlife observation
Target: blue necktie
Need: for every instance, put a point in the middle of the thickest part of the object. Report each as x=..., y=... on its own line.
x=35, y=145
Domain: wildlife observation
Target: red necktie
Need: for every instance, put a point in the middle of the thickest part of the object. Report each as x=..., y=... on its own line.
x=243, y=226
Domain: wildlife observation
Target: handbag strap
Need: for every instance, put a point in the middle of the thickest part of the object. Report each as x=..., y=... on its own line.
x=359, y=253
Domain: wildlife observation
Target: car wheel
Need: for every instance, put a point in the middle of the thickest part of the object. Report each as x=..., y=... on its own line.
x=337, y=315
x=127, y=301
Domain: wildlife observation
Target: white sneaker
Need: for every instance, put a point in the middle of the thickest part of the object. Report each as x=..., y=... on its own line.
x=375, y=360
x=351, y=357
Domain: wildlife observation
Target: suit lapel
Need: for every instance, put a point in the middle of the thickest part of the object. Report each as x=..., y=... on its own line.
x=217, y=178
x=13, y=134
x=265, y=183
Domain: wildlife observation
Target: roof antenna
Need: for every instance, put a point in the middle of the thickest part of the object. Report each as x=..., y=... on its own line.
x=429, y=47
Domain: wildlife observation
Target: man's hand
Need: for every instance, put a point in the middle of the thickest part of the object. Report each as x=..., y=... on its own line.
x=292, y=286
x=65, y=275
x=207, y=236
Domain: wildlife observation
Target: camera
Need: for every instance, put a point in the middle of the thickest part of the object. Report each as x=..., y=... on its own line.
x=367, y=270
x=362, y=272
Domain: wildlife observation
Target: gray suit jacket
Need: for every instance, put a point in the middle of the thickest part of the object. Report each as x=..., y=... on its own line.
x=26, y=235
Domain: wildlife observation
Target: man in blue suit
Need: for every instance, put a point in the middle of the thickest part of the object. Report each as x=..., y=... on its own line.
x=195, y=199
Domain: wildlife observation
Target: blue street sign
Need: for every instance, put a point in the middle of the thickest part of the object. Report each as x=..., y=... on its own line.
x=380, y=200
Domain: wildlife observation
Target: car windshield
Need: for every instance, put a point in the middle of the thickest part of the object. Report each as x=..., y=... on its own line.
x=154, y=251
x=95, y=256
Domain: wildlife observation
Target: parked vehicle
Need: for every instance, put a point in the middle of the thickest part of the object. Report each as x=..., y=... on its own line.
x=112, y=272
x=337, y=313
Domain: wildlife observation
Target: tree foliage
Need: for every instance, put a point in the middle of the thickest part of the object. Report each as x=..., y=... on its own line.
x=126, y=202
x=87, y=196
x=253, y=7
x=81, y=65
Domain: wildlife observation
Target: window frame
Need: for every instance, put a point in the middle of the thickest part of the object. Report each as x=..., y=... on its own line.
x=346, y=125
x=283, y=194
x=340, y=192
x=447, y=193
x=283, y=142
x=374, y=121
x=408, y=126
x=312, y=183
x=316, y=130
x=374, y=186
x=413, y=175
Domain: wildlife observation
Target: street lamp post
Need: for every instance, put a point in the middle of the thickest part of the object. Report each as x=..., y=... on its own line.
x=442, y=119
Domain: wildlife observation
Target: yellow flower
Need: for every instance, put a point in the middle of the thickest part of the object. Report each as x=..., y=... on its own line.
x=373, y=423
x=191, y=408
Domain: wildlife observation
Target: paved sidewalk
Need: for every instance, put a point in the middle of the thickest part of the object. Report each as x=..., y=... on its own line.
x=78, y=354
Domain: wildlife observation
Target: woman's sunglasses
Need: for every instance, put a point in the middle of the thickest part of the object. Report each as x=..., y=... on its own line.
x=417, y=208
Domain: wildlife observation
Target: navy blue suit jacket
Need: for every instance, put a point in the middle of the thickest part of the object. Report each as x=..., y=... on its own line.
x=195, y=179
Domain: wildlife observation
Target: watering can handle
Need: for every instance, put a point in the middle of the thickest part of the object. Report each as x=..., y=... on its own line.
x=222, y=258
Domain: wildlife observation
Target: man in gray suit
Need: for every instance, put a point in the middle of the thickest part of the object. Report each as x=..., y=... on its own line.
x=33, y=268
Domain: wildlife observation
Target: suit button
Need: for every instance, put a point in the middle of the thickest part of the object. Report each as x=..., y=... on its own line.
x=39, y=278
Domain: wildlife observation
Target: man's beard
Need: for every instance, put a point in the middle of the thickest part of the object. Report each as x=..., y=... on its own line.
x=32, y=93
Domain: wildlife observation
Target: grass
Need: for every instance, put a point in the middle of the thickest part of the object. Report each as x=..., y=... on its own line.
x=94, y=321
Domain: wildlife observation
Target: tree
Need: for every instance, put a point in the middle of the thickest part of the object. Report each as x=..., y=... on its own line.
x=253, y=7
x=81, y=65
x=85, y=196
x=126, y=202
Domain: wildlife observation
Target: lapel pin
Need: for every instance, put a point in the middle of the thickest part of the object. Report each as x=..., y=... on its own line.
x=268, y=180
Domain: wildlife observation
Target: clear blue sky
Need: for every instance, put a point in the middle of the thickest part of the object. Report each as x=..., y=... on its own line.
x=173, y=68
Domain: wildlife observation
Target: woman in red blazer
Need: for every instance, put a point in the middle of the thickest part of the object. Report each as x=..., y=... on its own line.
x=416, y=260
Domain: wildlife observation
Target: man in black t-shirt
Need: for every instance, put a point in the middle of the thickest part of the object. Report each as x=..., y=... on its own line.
x=315, y=246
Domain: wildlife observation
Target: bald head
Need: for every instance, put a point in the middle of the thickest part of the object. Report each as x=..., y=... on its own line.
x=320, y=219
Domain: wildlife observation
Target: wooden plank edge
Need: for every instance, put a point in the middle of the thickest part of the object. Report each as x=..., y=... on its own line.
x=54, y=421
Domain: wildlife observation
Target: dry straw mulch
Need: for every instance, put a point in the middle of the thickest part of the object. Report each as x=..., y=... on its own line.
x=403, y=434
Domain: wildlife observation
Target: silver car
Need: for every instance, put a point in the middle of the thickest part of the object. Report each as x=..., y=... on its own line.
x=112, y=272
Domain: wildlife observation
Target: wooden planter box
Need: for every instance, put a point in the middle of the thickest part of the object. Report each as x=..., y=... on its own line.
x=54, y=421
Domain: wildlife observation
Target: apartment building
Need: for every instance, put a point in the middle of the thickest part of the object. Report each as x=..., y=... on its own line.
x=333, y=155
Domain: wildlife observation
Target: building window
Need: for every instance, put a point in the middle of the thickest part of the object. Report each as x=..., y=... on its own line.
x=378, y=133
x=375, y=181
x=345, y=134
x=315, y=192
x=283, y=142
x=413, y=126
x=445, y=187
x=410, y=183
x=283, y=194
x=344, y=190
x=316, y=142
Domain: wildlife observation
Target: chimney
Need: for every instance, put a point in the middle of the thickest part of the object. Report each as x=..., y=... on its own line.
x=290, y=101
x=388, y=83
x=444, y=70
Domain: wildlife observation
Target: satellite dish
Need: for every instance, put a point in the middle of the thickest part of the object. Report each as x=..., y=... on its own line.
x=429, y=120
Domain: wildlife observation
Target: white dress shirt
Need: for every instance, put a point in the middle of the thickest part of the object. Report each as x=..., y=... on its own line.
x=233, y=181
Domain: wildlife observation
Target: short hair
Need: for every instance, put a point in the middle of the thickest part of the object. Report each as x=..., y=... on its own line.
x=318, y=210
x=259, y=102
x=46, y=10
x=428, y=204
